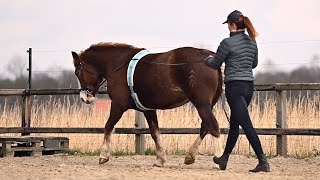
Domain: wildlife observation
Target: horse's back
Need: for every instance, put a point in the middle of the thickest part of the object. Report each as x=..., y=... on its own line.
x=170, y=79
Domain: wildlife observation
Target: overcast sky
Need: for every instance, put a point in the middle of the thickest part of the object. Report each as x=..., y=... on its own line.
x=288, y=30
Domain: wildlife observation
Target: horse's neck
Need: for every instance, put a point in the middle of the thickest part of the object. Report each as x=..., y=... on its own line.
x=113, y=59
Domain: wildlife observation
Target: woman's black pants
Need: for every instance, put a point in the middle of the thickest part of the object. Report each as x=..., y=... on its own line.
x=239, y=94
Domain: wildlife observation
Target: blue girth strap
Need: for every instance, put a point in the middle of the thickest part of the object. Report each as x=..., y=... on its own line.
x=132, y=65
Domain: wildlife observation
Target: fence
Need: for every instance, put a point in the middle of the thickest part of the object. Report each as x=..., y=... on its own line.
x=281, y=131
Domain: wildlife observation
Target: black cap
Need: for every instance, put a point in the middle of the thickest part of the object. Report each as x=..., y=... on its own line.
x=234, y=17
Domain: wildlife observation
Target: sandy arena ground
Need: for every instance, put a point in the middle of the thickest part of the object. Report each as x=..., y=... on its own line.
x=140, y=167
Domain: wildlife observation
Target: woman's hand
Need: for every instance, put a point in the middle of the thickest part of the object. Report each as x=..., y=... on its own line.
x=208, y=59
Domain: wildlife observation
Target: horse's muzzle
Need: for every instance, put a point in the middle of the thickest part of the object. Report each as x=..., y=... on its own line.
x=87, y=96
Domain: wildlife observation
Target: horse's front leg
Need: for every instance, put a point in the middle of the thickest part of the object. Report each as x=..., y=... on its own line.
x=208, y=125
x=115, y=115
x=152, y=120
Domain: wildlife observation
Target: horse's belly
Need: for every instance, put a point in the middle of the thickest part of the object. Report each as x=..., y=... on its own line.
x=164, y=99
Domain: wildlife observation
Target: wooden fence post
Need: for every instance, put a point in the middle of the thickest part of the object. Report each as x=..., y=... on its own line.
x=140, y=138
x=281, y=122
x=23, y=111
x=26, y=113
x=26, y=106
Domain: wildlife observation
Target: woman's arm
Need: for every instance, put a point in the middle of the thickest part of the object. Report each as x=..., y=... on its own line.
x=222, y=53
x=255, y=62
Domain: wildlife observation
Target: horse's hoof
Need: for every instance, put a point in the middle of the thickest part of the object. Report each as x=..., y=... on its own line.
x=188, y=160
x=157, y=165
x=216, y=134
x=103, y=160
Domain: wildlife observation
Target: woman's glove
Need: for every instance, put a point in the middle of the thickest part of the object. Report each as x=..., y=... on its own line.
x=208, y=60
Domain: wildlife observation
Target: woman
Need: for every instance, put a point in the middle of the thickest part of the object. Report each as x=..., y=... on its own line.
x=240, y=54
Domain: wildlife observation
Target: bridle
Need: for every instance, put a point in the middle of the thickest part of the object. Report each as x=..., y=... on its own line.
x=99, y=75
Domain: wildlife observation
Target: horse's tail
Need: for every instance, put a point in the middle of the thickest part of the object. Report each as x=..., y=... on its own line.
x=219, y=88
x=220, y=83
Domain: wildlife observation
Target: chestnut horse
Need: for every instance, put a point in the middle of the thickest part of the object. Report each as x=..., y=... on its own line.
x=161, y=81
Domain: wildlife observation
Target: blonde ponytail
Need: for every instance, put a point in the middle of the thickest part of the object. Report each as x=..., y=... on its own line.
x=251, y=30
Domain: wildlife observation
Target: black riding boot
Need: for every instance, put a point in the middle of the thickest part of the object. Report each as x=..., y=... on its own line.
x=263, y=164
x=221, y=161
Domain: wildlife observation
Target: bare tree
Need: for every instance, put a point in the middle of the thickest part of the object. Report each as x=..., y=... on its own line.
x=16, y=67
x=270, y=67
x=315, y=60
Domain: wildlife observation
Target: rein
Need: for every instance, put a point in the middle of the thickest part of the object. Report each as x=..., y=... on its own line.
x=119, y=67
x=172, y=64
x=223, y=103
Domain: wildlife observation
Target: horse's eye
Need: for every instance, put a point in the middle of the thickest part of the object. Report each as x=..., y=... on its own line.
x=77, y=72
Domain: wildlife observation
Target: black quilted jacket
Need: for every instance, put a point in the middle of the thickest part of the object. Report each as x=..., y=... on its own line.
x=240, y=54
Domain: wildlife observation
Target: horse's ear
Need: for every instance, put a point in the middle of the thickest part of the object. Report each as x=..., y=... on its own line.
x=76, y=59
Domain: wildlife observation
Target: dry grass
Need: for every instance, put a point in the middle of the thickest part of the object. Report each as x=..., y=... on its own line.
x=302, y=113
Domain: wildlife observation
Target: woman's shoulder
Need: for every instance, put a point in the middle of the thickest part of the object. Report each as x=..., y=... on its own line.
x=240, y=38
x=225, y=41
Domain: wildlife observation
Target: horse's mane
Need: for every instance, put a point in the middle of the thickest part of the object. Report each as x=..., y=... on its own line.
x=105, y=45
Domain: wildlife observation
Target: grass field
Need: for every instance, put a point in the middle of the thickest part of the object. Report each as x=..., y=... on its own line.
x=301, y=113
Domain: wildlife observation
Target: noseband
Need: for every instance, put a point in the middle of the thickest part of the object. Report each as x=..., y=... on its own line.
x=98, y=75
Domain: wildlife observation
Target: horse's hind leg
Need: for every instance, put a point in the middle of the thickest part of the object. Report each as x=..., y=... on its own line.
x=217, y=147
x=152, y=120
x=209, y=125
x=191, y=156
x=115, y=115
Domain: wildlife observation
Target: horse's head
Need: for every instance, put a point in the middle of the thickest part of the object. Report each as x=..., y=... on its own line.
x=88, y=77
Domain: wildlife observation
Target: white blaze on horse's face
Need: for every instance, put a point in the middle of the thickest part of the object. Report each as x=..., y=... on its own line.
x=86, y=96
x=85, y=80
